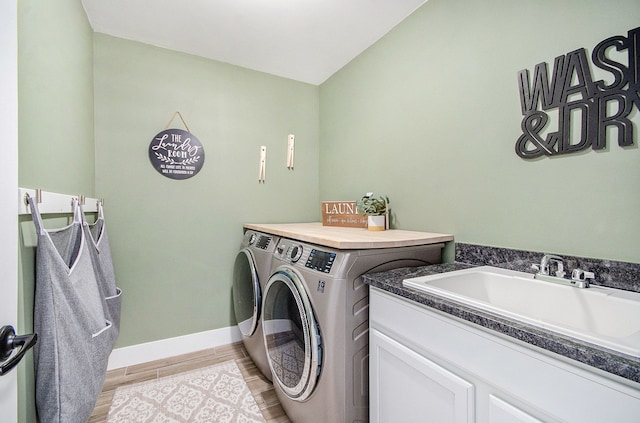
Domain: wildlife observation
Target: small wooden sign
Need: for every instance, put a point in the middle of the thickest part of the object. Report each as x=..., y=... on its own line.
x=342, y=213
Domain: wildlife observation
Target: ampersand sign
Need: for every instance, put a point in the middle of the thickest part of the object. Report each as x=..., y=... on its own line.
x=532, y=125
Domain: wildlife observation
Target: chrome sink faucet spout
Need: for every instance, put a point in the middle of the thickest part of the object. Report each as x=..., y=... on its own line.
x=545, y=265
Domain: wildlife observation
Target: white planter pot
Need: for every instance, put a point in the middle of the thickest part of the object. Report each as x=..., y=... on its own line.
x=376, y=223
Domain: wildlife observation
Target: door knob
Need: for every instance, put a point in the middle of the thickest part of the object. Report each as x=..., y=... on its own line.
x=9, y=341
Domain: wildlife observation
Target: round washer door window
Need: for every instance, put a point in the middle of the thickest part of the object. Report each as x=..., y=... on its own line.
x=246, y=292
x=291, y=335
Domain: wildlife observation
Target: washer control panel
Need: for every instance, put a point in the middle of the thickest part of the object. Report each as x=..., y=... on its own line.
x=258, y=240
x=320, y=260
x=306, y=255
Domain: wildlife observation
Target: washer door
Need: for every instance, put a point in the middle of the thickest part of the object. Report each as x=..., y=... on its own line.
x=291, y=335
x=246, y=292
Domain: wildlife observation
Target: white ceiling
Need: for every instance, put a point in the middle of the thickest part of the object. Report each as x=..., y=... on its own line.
x=304, y=40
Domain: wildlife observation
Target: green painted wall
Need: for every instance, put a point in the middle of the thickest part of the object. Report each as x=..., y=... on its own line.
x=430, y=115
x=55, y=130
x=437, y=98
x=174, y=241
x=55, y=85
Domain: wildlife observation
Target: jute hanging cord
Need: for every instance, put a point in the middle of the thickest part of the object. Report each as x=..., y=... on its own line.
x=181, y=118
x=176, y=153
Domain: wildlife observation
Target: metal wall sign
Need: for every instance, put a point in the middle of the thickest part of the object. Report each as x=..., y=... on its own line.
x=586, y=109
x=176, y=154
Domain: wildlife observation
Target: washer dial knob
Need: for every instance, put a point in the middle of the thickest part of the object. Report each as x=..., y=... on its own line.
x=295, y=252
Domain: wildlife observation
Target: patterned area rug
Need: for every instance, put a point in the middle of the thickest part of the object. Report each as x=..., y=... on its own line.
x=212, y=394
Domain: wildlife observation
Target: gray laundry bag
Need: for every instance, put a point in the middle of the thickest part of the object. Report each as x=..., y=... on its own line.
x=69, y=317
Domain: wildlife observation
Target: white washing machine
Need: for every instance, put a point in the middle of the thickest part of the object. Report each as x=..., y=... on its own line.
x=315, y=320
x=251, y=270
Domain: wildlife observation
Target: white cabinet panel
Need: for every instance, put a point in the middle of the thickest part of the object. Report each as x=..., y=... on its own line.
x=502, y=412
x=407, y=387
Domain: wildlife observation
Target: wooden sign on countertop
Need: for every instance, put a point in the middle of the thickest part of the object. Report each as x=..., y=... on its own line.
x=342, y=213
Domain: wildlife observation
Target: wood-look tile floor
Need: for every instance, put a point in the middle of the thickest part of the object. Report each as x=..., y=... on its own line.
x=260, y=387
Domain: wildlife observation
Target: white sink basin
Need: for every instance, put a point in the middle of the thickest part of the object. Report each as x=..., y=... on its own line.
x=604, y=316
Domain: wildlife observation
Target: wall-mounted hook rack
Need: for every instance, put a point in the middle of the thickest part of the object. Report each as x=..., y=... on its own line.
x=53, y=202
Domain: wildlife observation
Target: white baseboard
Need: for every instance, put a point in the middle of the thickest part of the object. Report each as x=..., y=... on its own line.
x=156, y=350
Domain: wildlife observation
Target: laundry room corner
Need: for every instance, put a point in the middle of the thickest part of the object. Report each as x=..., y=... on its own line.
x=174, y=241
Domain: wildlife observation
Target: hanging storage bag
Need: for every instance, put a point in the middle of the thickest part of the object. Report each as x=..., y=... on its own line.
x=100, y=250
x=71, y=357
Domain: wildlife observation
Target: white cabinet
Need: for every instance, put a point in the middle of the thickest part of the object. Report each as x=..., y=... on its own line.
x=427, y=366
x=502, y=412
x=410, y=388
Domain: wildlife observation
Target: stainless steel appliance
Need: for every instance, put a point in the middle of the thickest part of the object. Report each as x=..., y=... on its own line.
x=315, y=321
x=251, y=270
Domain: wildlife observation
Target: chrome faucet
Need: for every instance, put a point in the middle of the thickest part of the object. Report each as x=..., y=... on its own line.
x=579, y=277
x=545, y=265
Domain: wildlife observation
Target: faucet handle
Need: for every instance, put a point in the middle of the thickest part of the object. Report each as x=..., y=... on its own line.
x=580, y=278
x=581, y=275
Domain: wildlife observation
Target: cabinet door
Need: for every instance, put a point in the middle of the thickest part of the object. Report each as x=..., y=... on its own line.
x=407, y=387
x=502, y=412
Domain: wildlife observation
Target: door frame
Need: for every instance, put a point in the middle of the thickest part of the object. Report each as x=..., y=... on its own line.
x=8, y=192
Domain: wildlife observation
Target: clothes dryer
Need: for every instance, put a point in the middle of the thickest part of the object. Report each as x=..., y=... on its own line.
x=315, y=319
x=251, y=270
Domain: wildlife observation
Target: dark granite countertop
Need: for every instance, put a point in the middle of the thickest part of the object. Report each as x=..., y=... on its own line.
x=619, y=364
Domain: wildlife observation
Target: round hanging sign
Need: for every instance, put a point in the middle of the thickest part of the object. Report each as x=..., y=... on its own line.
x=176, y=154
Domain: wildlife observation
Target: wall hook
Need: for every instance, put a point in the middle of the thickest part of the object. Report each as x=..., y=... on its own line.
x=26, y=197
x=262, y=174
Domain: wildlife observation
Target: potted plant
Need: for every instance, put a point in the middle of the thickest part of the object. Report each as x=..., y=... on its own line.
x=376, y=211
